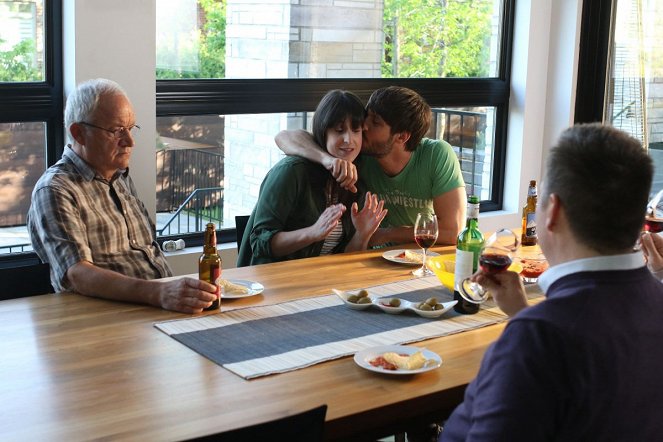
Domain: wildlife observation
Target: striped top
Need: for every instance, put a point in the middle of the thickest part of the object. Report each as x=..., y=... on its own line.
x=76, y=215
x=335, y=236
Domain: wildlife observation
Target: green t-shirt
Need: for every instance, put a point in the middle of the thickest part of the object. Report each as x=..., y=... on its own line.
x=432, y=170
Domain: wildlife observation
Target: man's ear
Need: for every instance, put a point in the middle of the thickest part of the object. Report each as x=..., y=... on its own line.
x=403, y=137
x=78, y=133
x=554, y=211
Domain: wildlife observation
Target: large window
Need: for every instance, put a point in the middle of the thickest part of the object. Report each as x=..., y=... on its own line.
x=622, y=82
x=30, y=111
x=231, y=74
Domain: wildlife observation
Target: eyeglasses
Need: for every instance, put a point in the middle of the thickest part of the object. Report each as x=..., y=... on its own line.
x=117, y=133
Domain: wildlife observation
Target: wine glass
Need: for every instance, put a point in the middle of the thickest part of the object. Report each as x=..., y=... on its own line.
x=654, y=215
x=425, y=235
x=495, y=257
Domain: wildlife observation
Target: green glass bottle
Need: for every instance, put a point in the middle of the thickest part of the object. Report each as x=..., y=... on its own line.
x=468, y=249
x=209, y=264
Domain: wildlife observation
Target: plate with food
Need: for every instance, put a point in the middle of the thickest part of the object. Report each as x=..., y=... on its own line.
x=397, y=359
x=407, y=256
x=239, y=288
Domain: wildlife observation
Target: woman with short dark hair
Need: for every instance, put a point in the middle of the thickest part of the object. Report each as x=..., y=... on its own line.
x=302, y=211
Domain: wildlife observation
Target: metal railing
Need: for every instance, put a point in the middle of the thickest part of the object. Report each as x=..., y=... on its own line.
x=202, y=206
x=466, y=132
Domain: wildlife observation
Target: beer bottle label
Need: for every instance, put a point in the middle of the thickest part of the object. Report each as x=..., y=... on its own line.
x=530, y=231
x=215, y=278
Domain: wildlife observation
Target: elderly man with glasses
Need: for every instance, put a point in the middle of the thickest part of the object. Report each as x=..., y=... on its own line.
x=86, y=220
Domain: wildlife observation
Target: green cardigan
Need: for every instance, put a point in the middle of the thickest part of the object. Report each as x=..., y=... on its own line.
x=292, y=196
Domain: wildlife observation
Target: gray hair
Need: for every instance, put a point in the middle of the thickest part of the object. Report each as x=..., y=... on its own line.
x=82, y=103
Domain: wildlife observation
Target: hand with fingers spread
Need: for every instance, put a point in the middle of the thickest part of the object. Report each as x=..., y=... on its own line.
x=368, y=219
x=327, y=222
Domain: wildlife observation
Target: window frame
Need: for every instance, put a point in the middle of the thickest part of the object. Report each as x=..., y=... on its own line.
x=253, y=96
x=40, y=102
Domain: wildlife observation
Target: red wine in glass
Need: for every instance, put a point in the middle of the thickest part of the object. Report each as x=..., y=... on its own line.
x=653, y=225
x=495, y=257
x=426, y=240
x=494, y=262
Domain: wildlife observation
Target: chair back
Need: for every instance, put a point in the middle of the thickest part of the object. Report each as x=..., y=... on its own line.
x=240, y=227
x=25, y=280
x=303, y=427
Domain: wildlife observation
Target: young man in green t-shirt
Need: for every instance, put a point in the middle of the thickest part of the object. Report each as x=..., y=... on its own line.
x=410, y=173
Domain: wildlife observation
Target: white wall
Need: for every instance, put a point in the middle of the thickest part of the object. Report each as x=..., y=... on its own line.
x=545, y=59
x=116, y=39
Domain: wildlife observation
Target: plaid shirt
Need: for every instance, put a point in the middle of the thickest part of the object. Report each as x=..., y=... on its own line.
x=76, y=215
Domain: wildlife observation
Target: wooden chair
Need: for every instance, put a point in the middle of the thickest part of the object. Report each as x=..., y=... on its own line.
x=240, y=227
x=307, y=426
x=25, y=280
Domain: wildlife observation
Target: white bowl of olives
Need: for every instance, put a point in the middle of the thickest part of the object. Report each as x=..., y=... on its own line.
x=431, y=307
x=357, y=300
x=391, y=305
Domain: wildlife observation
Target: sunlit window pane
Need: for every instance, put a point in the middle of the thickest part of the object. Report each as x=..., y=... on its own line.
x=634, y=95
x=22, y=161
x=210, y=167
x=21, y=41
x=327, y=39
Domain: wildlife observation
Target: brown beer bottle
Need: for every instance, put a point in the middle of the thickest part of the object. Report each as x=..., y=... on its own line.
x=209, y=264
x=529, y=237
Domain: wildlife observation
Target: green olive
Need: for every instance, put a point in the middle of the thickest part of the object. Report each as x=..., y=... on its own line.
x=439, y=307
x=395, y=302
x=362, y=293
x=364, y=300
x=353, y=298
x=432, y=301
x=424, y=306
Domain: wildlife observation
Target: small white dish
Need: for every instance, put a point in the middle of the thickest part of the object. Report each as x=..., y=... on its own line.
x=383, y=304
x=433, y=313
x=397, y=256
x=353, y=305
x=363, y=358
x=255, y=288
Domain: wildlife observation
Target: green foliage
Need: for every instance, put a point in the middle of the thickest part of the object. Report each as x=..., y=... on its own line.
x=211, y=48
x=17, y=65
x=437, y=38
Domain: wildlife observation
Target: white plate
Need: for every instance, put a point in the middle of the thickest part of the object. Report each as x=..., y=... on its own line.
x=363, y=357
x=392, y=255
x=255, y=288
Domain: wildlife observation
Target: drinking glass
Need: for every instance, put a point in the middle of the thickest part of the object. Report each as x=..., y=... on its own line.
x=425, y=235
x=654, y=215
x=496, y=256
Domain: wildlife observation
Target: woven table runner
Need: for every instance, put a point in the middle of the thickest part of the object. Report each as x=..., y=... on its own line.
x=258, y=341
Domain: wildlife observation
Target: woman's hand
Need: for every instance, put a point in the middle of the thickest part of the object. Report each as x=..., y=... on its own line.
x=326, y=222
x=366, y=221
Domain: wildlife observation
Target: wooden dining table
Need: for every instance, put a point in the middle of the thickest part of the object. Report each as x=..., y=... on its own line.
x=74, y=367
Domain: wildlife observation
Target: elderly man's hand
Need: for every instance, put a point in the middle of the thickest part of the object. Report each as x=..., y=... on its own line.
x=186, y=295
x=507, y=289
